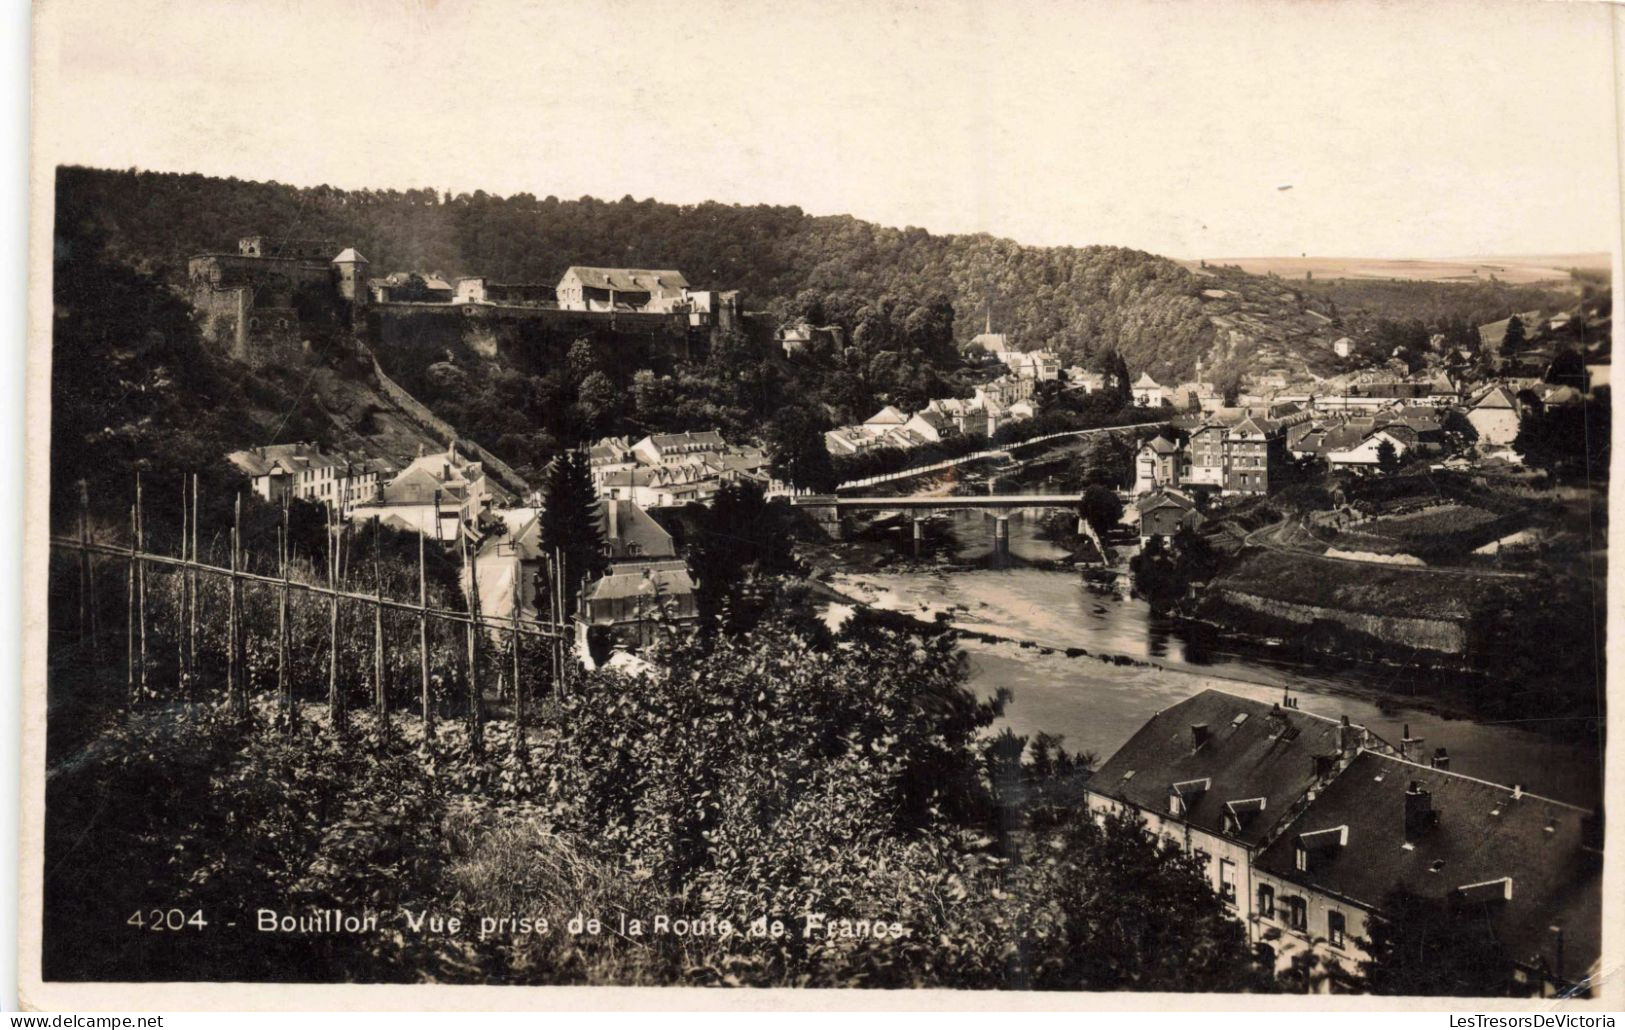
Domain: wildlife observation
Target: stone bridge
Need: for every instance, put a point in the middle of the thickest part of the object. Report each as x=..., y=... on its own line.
x=827, y=509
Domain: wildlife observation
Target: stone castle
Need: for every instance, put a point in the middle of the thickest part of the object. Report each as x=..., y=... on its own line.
x=263, y=303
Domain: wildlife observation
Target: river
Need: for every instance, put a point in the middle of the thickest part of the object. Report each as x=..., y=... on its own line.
x=1096, y=705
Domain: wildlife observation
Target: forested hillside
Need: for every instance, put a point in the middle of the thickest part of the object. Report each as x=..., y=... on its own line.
x=134, y=388
x=1079, y=300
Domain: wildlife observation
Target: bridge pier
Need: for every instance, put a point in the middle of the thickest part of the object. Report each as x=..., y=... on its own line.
x=919, y=535
x=1001, y=536
x=823, y=510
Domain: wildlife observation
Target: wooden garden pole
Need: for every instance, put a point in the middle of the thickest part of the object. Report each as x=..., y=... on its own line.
x=284, y=682
x=141, y=585
x=476, y=731
x=191, y=595
x=129, y=619
x=423, y=642
x=180, y=609
x=380, y=685
x=518, y=689
x=335, y=700
x=564, y=616
x=236, y=690
x=552, y=619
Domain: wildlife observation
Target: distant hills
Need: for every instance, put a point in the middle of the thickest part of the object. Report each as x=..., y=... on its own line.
x=1517, y=270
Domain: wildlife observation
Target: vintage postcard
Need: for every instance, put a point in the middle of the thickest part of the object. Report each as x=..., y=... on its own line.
x=994, y=503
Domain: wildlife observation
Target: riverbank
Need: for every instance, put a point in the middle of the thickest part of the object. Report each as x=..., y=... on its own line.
x=1048, y=609
x=1094, y=667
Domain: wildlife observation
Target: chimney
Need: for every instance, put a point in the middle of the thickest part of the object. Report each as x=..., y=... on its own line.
x=1350, y=738
x=1419, y=814
x=1441, y=758
x=1199, y=734
x=612, y=517
x=1517, y=792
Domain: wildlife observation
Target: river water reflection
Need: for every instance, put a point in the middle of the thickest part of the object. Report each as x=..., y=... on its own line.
x=1097, y=705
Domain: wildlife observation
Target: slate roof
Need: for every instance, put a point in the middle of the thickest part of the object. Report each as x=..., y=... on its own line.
x=1253, y=750
x=1497, y=398
x=636, y=533
x=1166, y=498
x=669, y=578
x=1401, y=433
x=887, y=416
x=1162, y=445
x=291, y=457
x=637, y=536
x=1481, y=834
x=665, y=281
x=707, y=438
x=903, y=437
x=348, y=255
x=1344, y=438
x=1256, y=425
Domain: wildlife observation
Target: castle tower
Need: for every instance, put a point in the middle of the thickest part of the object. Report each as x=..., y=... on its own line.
x=352, y=271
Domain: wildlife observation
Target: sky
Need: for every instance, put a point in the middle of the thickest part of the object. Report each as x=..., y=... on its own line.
x=1404, y=130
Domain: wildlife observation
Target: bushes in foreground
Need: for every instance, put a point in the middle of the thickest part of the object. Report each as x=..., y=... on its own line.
x=826, y=785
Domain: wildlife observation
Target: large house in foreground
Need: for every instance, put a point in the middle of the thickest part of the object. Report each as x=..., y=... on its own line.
x=1530, y=867
x=1219, y=776
x=1305, y=824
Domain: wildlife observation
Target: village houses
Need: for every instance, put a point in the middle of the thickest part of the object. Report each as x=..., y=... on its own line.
x=994, y=405
x=1148, y=392
x=670, y=469
x=439, y=495
x=1496, y=416
x=1164, y=512
x=1234, y=450
x=302, y=471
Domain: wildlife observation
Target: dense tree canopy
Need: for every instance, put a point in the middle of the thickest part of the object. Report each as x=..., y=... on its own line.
x=569, y=522
x=834, y=269
x=795, y=442
x=1568, y=441
x=1426, y=947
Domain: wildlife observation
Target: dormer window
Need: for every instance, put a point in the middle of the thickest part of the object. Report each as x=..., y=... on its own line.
x=1186, y=793
x=1317, y=843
